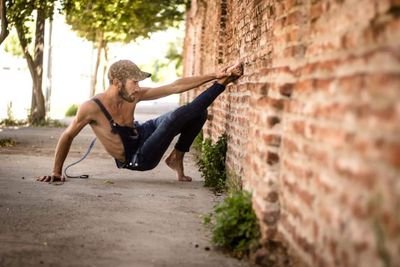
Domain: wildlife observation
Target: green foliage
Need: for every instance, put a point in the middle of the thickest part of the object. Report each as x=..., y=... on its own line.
x=212, y=163
x=71, y=111
x=10, y=120
x=10, y=114
x=234, y=224
x=12, y=46
x=233, y=182
x=174, y=55
x=158, y=66
x=121, y=20
x=21, y=15
x=375, y=207
x=13, y=122
x=7, y=142
x=198, y=143
x=163, y=68
x=49, y=123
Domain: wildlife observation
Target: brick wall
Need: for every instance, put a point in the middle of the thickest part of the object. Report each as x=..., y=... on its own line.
x=314, y=124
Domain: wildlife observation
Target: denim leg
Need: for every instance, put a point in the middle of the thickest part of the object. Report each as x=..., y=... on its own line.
x=189, y=132
x=171, y=124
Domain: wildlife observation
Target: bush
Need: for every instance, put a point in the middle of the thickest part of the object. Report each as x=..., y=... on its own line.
x=198, y=143
x=49, y=123
x=71, y=111
x=234, y=224
x=10, y=120
x=212, y=163
x=7, y=142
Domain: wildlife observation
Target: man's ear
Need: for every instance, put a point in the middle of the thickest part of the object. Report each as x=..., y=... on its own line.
x=116, y=82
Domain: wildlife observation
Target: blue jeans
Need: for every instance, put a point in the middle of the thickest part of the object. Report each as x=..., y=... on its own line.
x=156, y=135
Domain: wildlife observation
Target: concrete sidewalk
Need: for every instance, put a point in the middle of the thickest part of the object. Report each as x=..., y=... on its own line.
x=114, y=218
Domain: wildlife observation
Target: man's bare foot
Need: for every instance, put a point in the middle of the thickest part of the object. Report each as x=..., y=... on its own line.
x=175, y=162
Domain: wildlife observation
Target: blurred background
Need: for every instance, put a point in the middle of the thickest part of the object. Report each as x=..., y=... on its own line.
x=72, y=58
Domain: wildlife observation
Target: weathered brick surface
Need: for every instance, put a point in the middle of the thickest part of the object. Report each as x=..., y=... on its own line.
x=314, y=123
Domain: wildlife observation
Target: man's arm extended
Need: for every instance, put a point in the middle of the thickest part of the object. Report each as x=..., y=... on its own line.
x=64, y=143
x=185, y=84
x=178, y=86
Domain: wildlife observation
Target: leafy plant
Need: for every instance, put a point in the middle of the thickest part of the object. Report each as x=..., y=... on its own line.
x=174, y=55
x=71, y=111
x=7, y=142
x=198, y=143
x=212, y=163
x=233, y=182
x=234, y=224
x=10, y=120
x=49, y=123
x=12, y=46
x=10, y=114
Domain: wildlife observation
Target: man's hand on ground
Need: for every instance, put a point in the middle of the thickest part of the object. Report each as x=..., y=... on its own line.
x=51, y=178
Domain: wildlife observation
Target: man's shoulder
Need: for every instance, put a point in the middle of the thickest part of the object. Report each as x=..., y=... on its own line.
x=88, y=110
x=88, y=105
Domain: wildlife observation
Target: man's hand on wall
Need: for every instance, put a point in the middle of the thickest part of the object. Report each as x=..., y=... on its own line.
x=230, y=73
x=235, y=70
x=232, y=70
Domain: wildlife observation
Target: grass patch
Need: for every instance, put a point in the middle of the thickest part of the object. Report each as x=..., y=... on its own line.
x=7, y=142
x=12, y=122
x=49, y=123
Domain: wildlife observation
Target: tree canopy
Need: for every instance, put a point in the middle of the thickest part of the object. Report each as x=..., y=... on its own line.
x=103, y=21
x=21, y=13
x=121, y=20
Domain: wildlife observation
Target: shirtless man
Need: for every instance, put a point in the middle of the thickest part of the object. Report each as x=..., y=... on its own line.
x=137, y=146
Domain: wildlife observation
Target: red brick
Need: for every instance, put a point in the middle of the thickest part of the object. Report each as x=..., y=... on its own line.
x=300, y=172
x=272, y=140
x=272, y=197
x=272, y=158
x=364, y=176
x=303, y=195
x=290, y=146
x=298, y=127
x=286, y=89
x=273, y=120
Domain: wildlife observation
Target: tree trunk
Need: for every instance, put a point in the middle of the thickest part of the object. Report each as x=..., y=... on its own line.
x=96, y=67
x=28, y=56
x=49, y=68
x=38, y=111
x=4, y=22
x=104, y=78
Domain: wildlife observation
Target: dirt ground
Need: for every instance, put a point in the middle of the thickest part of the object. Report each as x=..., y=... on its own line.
x=114, y=218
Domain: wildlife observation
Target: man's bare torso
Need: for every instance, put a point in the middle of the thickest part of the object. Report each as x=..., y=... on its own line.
x=122, y=114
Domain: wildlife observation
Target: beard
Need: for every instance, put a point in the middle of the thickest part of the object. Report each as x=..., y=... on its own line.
x=125, y=95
